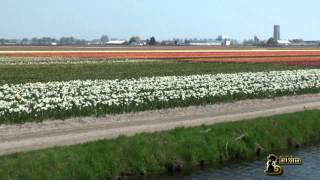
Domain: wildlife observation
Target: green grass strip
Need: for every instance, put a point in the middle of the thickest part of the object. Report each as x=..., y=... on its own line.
x=14, y=74
x=149, y=153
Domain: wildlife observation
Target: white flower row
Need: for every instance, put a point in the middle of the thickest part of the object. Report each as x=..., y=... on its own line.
x=62, y=60
x=35, y=97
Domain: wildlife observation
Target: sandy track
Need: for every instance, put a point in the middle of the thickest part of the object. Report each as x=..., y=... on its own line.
x=32, y=136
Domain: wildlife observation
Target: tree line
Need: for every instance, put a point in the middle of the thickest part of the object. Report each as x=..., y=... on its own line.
x=73, y=41
x=45, y=41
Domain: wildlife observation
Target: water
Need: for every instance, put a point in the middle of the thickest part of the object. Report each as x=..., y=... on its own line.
x=255, y=170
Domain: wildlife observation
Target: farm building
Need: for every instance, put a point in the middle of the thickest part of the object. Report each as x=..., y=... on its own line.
x=116, y=42
x=283, y=42
x=204, y=43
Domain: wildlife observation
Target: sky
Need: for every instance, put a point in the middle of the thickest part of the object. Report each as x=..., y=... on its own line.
x=164, y=19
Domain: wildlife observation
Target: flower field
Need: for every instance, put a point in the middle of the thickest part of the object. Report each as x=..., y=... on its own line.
x=29, y=101
x=20, y=60
x=255, y=56
x=167, y=54
x=301, y=60
x=7, y=60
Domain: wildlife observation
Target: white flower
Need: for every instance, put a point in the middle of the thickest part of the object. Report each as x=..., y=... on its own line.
x=36, y=97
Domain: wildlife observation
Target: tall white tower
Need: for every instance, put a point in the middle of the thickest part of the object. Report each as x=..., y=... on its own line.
x=276, y=32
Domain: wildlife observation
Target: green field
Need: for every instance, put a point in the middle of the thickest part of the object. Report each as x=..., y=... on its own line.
x=150, y=153
x=125, y=70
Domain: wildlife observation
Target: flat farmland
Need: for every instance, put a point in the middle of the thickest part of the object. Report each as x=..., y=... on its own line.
x=59, y=88
x=58, y=83
x=295, y=56
x=57, y=97
x=127, y=47
x=44, y=84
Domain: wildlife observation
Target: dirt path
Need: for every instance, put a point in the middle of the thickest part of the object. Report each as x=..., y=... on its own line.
x=32, y=136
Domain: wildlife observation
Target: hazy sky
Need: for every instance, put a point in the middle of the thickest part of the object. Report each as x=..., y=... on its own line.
x=164, y=19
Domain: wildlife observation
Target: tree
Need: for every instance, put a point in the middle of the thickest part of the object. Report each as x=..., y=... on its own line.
x=35, y=41
x=187, y=41
x=272, y=42
x=47, y=41
x=80, y=42
x=152, y=41
x=25, y=41
x=234, y=42
x=67, y=40
x=248, y=42
x=134, y=39
x=3, y=41
x=104, y=39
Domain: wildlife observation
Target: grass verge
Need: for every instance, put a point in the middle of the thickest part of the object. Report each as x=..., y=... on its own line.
x=152, y=152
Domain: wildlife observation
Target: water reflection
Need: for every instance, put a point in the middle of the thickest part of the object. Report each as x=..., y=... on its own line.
x=254, y=170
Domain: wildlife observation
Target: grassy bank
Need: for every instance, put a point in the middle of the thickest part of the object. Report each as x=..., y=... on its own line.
x=152, y=153
x=124, y=70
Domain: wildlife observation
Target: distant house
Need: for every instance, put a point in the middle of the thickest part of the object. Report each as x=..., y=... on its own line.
x=298, y=42
x=217, y=43
x=283, y=42
x=203, y=43
x=139, y=43
x=227, y=43
x=95, y=42
x=169, y=43
x=116, y=42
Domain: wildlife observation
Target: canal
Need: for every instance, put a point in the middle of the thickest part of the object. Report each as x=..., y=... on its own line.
x=310, y=169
